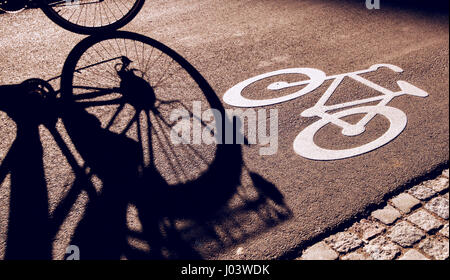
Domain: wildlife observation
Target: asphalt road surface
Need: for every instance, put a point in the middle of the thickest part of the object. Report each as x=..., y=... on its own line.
x=225, y=201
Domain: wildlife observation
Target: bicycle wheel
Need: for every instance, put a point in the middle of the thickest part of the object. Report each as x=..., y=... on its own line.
x=305, y=146
x=163, y=96
x=91, y=16
x=12, y=6
x=234, y=96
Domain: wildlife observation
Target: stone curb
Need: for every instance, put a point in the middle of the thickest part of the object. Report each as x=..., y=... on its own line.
x=412, y=226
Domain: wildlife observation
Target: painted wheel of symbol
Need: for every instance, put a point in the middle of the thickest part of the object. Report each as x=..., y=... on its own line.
x=305, y=146
x=234, y=95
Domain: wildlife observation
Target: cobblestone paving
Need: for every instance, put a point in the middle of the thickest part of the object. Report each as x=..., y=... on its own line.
x=412, y=226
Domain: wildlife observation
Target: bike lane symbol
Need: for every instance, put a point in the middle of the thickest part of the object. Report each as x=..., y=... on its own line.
x=304, y=143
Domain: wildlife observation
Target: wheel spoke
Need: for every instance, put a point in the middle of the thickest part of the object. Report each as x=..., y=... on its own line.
x=88, y=104
x=114, y=117
x=91, y=16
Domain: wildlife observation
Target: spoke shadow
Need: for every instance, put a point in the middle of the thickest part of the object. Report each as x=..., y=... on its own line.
x=137, y=213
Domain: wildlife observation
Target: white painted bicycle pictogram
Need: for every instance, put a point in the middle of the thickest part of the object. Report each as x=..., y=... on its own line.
x=304, y=144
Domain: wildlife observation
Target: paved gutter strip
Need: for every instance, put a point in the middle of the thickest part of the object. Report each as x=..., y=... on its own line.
x=412, y=226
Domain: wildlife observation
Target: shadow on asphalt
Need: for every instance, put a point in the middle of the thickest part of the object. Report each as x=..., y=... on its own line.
x=191, y=219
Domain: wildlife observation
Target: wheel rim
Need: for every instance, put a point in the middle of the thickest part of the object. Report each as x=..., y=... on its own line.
x=87, y=16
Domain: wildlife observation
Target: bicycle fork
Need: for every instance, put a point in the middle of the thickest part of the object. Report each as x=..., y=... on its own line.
x=320, y=109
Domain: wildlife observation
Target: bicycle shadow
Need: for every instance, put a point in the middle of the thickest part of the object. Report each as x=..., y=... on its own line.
x=29, y=225
x=226, y=205
x=103, y=232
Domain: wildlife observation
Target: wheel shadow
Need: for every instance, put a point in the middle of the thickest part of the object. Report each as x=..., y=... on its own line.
x=136, y=213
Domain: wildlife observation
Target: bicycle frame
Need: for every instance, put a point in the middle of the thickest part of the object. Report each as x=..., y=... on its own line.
x=320, y=109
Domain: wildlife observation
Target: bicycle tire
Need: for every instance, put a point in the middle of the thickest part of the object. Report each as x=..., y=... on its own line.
x=305, y=146
x=65, y=23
